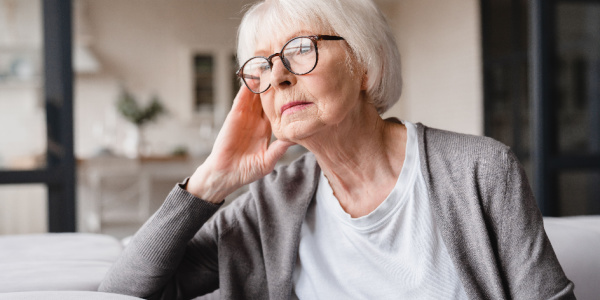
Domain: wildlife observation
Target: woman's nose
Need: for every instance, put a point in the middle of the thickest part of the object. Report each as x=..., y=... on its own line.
x=281, y=77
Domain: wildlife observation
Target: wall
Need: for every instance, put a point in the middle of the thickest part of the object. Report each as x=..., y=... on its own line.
x=142, y=45
x=440, y=45
x=145, y=46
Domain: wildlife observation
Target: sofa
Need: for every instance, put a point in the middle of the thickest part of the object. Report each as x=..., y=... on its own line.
x=56, y=266
x=71, y=265
x=576, y=241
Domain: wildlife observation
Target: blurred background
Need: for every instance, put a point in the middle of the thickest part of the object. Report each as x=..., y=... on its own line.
x=105, y=105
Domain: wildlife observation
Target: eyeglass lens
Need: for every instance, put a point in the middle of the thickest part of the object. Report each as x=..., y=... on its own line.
x=299, y=56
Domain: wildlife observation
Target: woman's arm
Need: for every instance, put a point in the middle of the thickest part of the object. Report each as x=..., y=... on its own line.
x=160, y=262
x=241, y=153
x=149, y=265
x=526, y=255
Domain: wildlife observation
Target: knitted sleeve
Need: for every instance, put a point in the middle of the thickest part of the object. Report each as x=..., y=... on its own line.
x=159, y=263
x=488, y=218
x=525, y=253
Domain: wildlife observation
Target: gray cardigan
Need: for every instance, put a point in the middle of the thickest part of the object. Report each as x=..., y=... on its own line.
x=490, y=225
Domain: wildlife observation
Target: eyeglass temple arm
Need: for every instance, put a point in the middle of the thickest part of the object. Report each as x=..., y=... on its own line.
x=251, y=77
x=328, y=37
x=246, y=76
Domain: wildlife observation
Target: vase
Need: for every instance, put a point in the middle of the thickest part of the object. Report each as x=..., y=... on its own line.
x=135, y=143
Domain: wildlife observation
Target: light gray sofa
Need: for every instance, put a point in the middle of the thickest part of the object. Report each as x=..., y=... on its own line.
x=71, y=266
x=56, y=266
x=576, y=241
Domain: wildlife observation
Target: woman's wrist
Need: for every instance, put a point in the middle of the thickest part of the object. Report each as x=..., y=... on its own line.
x=208, y=186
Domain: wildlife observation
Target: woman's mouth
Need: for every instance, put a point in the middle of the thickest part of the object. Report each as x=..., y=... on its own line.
x=295, y=106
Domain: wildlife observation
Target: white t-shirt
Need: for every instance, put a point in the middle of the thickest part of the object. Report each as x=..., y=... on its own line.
x=395, y=252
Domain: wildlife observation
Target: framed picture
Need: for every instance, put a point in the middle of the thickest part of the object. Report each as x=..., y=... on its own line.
x=210, y=84
x=203, y=82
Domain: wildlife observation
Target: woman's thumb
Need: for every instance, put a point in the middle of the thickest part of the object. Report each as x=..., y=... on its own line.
x=276, y=150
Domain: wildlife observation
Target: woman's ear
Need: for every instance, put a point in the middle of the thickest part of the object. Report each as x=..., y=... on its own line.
x=365, y=80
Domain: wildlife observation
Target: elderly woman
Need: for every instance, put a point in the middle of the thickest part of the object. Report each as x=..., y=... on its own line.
x=378, y=209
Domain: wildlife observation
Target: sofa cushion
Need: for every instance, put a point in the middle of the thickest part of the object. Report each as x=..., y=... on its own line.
x=576, y=241
x=71, y=295
x=59, y=246
x=55, y=261
x=52, y=275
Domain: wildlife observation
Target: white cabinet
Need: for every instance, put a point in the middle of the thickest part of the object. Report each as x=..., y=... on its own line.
x=115, y=191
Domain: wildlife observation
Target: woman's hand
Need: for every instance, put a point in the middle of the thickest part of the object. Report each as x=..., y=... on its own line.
x=241, y=153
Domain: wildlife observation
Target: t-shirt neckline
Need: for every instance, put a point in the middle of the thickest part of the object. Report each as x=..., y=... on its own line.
x=393, y=202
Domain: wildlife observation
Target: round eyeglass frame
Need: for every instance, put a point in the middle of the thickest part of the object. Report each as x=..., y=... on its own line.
x=314, y=39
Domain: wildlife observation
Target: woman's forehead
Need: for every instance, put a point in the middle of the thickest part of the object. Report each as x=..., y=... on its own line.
x=270, y=39
x=273, y=43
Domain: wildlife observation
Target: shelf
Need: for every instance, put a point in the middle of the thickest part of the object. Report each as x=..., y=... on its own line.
x=16, y=84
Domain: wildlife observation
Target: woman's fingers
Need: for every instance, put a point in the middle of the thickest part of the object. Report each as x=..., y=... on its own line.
x=245, y=100
x=275, y=151
x=242, y=121
x=242, y=153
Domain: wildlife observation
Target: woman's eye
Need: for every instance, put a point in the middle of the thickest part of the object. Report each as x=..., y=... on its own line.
x=299, y=50
x=264, y=67
x=304, y=49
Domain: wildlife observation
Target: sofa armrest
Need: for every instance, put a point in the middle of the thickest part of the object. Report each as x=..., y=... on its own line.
x=64, y=295
x=576, y=242
x=55, y=261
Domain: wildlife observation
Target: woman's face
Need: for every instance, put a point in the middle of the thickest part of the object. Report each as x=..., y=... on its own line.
x=300, y=106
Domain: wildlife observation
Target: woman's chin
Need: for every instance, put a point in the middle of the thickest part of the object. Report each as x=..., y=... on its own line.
x=297, y=131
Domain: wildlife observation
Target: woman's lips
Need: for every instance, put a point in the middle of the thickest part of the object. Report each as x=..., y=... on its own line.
x=293, y=107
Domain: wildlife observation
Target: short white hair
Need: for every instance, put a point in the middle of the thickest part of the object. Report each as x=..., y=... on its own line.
x=359, y=22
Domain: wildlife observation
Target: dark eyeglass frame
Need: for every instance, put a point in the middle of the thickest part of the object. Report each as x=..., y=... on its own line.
x=313, y=38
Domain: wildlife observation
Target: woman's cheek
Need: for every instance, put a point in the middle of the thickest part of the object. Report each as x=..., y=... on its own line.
x=267, y=105
x=269, y=110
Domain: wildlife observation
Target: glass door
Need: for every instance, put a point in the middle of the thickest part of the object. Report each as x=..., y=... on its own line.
x=37, y=165
x=541, y=62
x=577, y=106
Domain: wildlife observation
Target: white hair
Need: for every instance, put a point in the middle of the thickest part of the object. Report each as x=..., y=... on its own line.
x=359, y=22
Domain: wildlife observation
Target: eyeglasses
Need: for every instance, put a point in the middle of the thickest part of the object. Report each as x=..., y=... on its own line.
x=299, y=56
